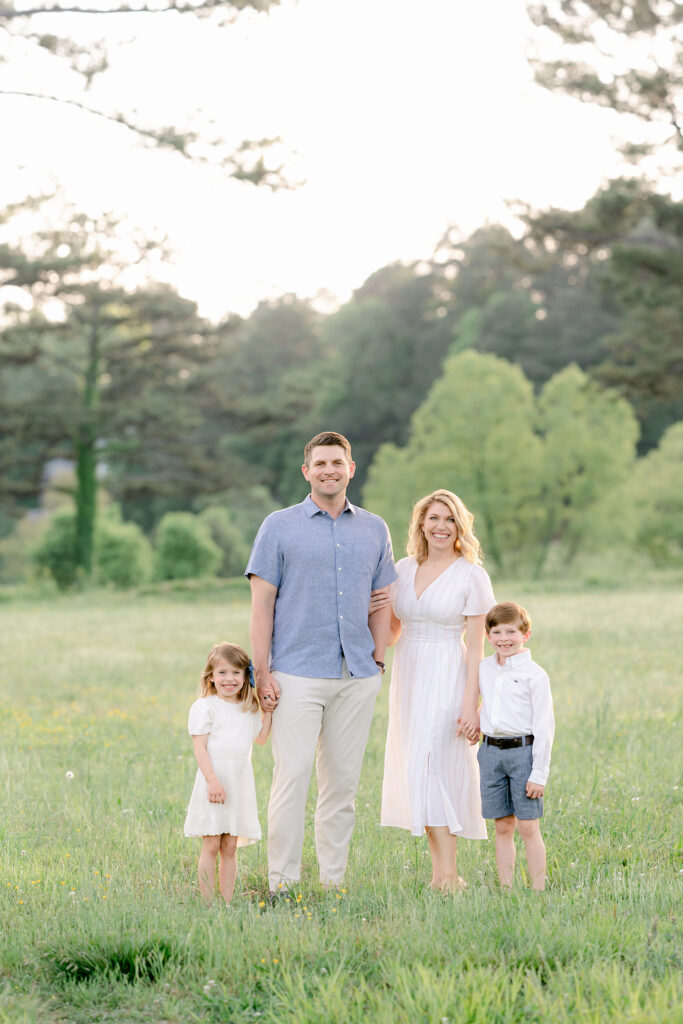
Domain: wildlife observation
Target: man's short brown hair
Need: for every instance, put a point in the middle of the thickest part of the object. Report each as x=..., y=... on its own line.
x=508, y=612
x=328, y=438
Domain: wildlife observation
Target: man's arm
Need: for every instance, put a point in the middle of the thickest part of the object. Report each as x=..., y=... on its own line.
x=263, y=595
x=380, y=627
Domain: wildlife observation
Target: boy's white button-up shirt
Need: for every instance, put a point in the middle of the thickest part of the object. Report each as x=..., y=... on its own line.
x=516, y=701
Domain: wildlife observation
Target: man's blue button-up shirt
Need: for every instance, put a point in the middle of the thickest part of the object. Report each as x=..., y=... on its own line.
x=324, y=570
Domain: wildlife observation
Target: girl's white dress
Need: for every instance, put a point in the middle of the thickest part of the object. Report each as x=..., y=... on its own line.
x=231, y=734
x=431, y=777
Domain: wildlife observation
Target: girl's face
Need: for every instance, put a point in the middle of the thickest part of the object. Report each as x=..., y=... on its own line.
x=227, y=679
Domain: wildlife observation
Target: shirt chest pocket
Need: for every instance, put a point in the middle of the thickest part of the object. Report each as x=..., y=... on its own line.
x=359, y=560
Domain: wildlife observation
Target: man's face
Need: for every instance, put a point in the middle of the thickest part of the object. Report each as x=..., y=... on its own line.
x=329, y=471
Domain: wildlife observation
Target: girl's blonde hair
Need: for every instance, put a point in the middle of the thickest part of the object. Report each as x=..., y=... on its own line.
x=466, y=543
x=238, y=658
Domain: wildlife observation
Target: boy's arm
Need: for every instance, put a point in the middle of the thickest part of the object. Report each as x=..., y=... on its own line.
x=543, y=728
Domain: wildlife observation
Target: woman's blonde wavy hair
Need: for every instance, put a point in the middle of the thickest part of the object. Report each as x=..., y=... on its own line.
x=238, y=658
x=466, y=543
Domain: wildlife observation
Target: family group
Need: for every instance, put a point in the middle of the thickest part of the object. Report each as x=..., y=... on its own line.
x=327, y=601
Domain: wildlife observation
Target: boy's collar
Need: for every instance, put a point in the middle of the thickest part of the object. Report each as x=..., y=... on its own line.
x=515, y=659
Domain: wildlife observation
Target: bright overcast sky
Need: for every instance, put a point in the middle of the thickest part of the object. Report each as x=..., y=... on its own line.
x=406, y=117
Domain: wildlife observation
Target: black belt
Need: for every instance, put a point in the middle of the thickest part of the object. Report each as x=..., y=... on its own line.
x=506, y=742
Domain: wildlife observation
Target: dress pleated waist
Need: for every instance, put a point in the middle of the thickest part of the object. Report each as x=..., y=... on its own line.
x=431, y=632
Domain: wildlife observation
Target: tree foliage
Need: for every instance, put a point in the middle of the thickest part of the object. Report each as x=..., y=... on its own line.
x=622, y=54
x=60, y=44
x=536, y=473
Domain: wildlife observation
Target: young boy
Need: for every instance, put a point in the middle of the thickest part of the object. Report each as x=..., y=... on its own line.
x=518, y=726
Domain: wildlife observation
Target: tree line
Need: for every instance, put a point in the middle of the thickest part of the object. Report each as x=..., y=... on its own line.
x=579, y=318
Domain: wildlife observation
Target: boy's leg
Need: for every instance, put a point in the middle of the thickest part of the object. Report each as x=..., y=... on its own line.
x=530, y=832
x=505, y=849
x=227, y=869
x=206, y=869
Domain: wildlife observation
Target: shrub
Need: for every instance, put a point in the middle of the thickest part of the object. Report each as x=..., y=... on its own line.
x=56, y=552
x=228, y=537
x=184, y=548
x=123, y=555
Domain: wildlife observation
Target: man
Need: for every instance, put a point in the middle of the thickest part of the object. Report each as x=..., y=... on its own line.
x=317, y=655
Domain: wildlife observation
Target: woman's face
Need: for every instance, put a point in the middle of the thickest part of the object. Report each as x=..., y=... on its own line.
x=439, y=528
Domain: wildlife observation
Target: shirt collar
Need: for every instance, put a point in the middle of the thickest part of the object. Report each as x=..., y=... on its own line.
x=516, y=660
x=311, y=509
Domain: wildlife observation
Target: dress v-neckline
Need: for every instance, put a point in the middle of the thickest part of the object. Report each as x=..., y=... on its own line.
x=418, y=597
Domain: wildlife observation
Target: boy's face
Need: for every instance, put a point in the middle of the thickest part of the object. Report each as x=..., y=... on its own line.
x=507, y=639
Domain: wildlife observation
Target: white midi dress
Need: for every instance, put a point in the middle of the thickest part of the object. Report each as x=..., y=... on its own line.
x=431, y=777
x=231, y=733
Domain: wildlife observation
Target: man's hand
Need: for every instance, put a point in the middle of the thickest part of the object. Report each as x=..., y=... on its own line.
x=268, y=690
x=534, y=790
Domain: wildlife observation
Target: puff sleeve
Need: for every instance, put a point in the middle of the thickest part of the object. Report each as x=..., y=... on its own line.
x=200, y=718
x=479, y=597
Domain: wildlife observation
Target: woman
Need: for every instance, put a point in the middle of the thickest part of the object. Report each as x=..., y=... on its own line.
x=431, y=777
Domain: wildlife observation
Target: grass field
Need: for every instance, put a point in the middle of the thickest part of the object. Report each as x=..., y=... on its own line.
x=100, y=916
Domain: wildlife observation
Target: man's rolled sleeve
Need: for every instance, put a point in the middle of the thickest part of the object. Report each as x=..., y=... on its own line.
x=266, y=557
x=385, y=571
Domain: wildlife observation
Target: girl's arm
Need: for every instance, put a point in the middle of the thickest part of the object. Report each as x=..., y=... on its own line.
x=474, y=640
x=266, y=723
x=215, y=790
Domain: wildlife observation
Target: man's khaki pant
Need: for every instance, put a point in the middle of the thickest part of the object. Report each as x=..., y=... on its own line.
x=335, y=716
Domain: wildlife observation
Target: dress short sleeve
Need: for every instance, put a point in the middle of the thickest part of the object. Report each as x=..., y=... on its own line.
x=200, y=719
x=479, y=597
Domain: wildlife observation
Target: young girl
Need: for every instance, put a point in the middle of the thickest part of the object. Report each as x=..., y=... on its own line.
x=223, y=723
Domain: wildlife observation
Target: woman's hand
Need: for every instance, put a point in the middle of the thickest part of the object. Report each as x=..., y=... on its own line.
x=468, y=726
x=379, y=599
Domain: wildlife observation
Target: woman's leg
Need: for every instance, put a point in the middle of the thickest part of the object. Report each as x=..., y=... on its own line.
x=206, y=868
x=530, y=832
x=227, y=869
x=444, y=849
x=505, y=849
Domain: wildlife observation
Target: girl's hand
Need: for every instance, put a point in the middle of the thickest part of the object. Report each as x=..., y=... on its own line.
x=216, y=791
x=379, y=599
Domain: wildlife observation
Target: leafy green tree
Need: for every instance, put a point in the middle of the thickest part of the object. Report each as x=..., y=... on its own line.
x=389, y=343
x=473, y=434
x=539, y=475
x=623, y=54
x=258, y=393
x=228, y=538
x=184, y=548
x=658, y=500
x=588, y=451
x=105, y=379
x=627, y=242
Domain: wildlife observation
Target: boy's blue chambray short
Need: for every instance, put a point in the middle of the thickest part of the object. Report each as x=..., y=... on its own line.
x=503, y=777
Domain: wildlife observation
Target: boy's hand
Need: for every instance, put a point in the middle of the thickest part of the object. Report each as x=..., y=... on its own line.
x=216, y=791
x=534, y=790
